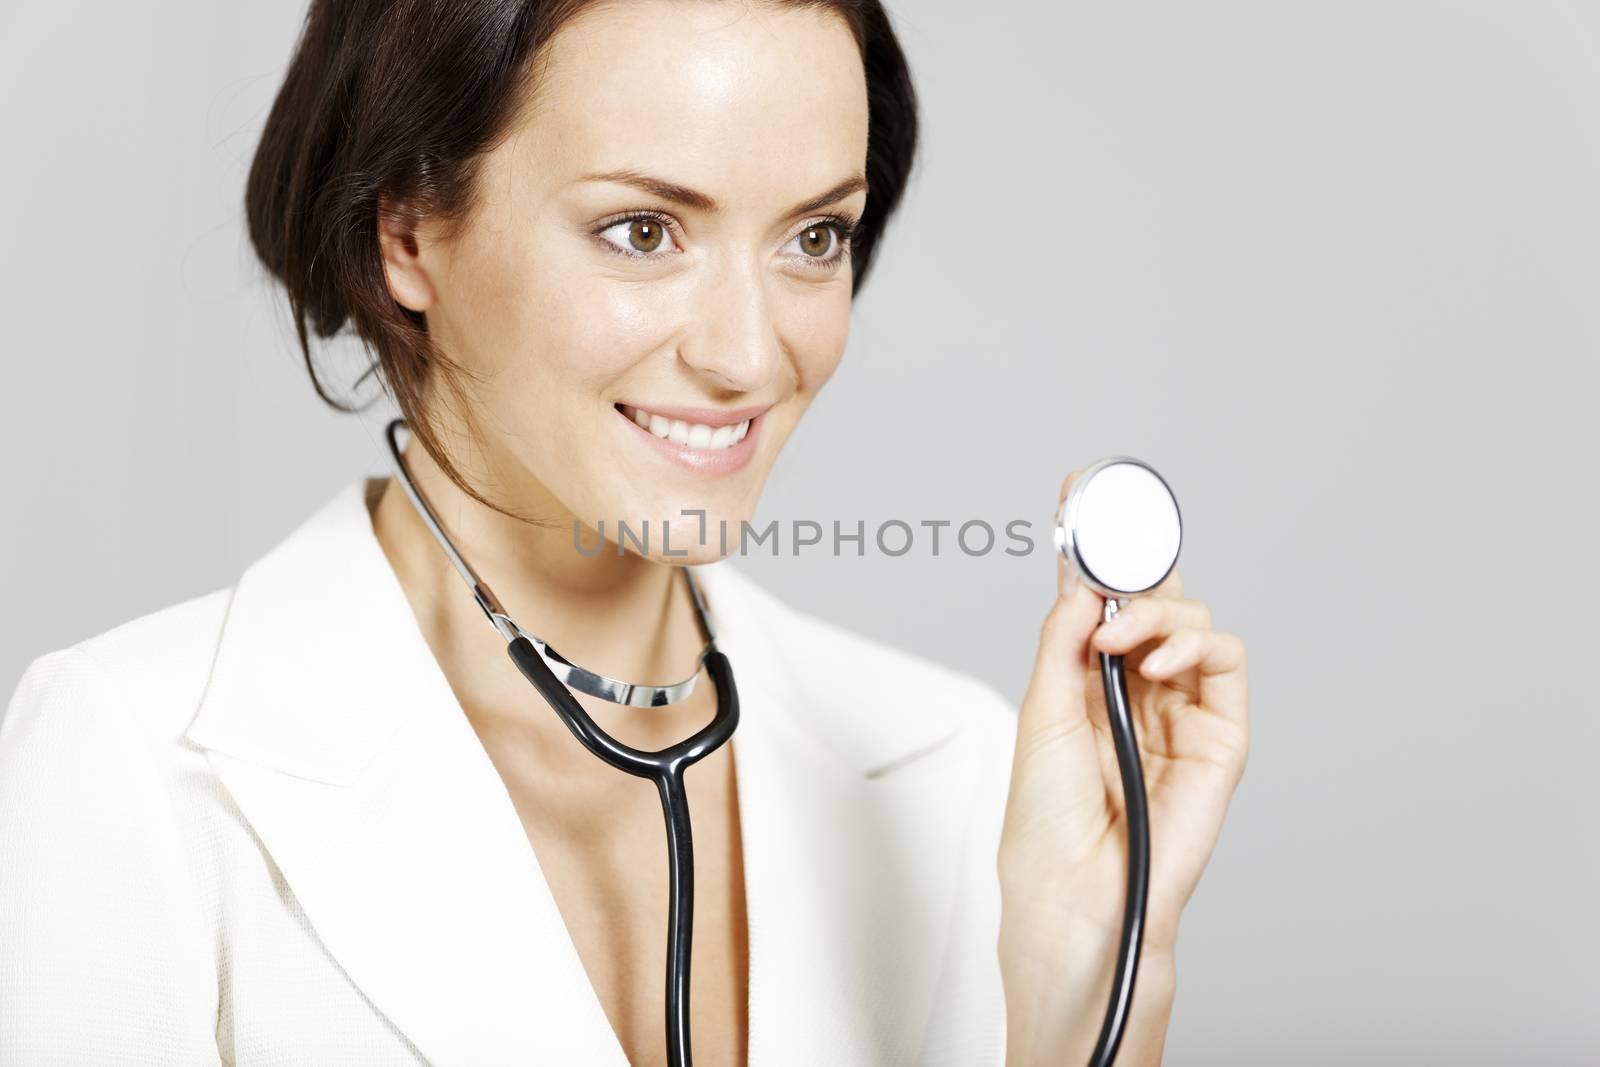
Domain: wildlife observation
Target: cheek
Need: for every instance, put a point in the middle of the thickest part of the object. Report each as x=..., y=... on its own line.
x=817, y=331
x=559, y=335
x=600, y=328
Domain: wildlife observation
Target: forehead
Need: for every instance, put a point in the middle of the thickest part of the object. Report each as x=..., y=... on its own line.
x=723, y=95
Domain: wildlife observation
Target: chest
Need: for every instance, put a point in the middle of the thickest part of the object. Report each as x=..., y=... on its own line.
x=600, y=840
x=423, y=911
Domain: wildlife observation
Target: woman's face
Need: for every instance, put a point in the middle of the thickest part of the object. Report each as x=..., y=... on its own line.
x=707, y=296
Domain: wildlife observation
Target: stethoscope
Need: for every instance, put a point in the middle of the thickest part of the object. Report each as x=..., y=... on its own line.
x=1119, y=527
x=551, y=673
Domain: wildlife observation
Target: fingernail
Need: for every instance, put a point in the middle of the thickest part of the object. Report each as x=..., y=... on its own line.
x=1117, y=626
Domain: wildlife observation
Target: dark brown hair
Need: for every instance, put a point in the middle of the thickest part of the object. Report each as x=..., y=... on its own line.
x=393, y=103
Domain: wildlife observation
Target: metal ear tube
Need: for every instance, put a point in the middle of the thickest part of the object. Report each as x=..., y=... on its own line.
x=555, y=677
x=1119, y=528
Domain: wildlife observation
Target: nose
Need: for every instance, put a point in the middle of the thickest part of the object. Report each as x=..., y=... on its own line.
x=733, y=339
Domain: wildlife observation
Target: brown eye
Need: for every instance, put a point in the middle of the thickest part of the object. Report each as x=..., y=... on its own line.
x=814, y=240
x=644, y=235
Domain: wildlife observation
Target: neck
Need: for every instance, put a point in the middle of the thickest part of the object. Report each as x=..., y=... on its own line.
x=622, y=615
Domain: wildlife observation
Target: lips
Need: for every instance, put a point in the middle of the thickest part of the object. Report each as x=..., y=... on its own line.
x=706, y=441
x=707, y=436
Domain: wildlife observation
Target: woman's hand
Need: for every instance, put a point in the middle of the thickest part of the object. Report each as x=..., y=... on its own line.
x=1063, y=849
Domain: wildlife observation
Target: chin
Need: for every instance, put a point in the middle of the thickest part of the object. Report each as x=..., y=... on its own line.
x=696, y=555
x=685, y=535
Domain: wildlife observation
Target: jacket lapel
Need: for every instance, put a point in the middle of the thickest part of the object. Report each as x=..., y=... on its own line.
x=852, y=808
x=328, y=721
x=330, y=724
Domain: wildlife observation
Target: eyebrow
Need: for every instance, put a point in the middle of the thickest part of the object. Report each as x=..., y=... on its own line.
x=679, y=194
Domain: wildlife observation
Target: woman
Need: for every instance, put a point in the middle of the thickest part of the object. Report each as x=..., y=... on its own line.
x=318, y=817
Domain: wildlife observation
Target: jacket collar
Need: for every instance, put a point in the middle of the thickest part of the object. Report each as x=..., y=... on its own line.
x=329, y=722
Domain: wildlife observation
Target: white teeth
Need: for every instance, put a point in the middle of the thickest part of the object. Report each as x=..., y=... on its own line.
x=693, y=434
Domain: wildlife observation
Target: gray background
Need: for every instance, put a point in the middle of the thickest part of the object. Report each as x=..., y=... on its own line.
x=1333, y=268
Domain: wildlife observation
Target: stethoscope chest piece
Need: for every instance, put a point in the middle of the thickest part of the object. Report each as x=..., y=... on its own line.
x=1120, y=527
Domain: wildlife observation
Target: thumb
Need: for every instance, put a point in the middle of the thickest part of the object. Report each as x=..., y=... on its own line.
x=1056, y=767
x=1055, y=698
x=1055, y=703
x=1056, y=808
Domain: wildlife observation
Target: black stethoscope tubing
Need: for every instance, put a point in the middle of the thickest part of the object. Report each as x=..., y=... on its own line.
x=1137, y=816
x=666, y=768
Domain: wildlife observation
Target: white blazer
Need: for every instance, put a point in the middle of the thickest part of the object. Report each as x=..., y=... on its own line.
x=255, y=828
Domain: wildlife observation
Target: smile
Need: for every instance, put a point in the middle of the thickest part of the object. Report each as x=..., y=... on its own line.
x=710, y=437
x=703, y=440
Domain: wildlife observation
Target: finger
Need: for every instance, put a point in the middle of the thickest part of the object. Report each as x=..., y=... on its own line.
x=1170, y=587
x=1066, y=484
x=1181, y=651
x=1058, y=775
x=1225, y=678
x=1054, y=702
x=1147, y=618
x=1063, y=569
x=1221, y=660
